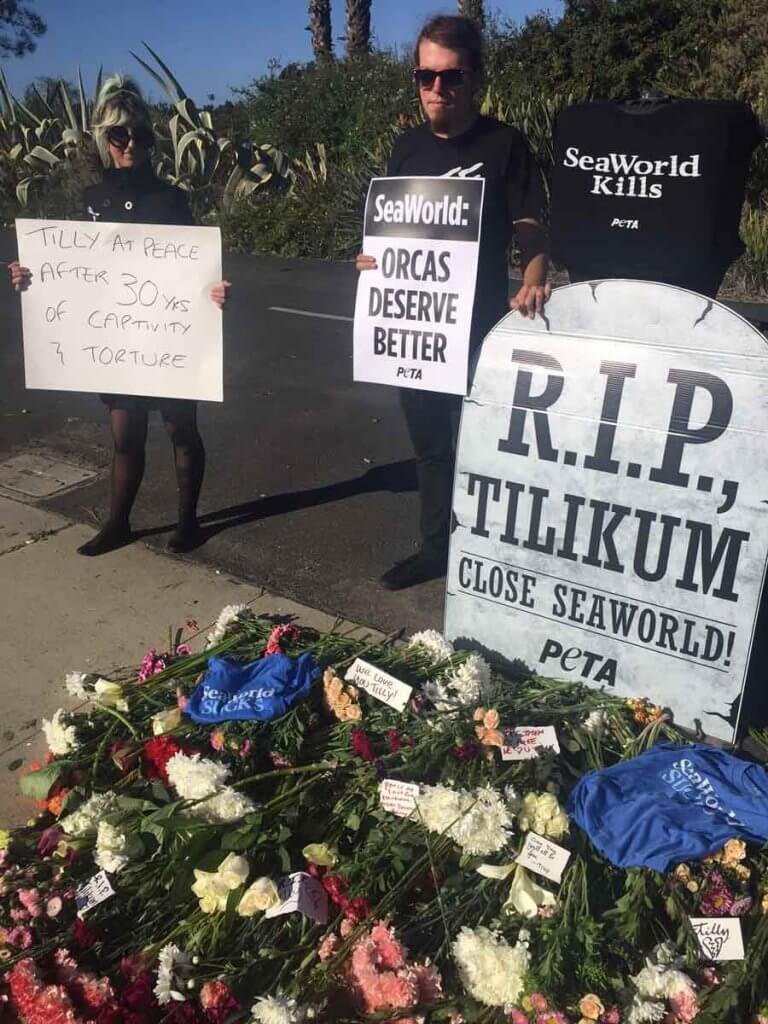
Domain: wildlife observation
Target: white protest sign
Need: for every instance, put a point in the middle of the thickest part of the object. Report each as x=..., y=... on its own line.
x=300, y=892
x=524, y=742
x=90, y=894
x=543, y=857
x=413, y=314
x=399, y=798
x=379, y=684
x=121, y=308
x=719, y=938
x=610, y=496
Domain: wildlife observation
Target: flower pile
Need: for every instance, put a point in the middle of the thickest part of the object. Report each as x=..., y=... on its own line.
x=350, y=862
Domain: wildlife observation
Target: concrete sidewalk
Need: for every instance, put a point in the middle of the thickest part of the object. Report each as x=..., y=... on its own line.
x=63, y=613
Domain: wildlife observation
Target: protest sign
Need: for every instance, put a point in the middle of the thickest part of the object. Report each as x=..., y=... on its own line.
x=121, y=308
x=610, y=496
x=413, y=314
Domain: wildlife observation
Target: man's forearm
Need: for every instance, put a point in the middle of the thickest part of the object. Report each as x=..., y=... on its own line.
x=534, y=258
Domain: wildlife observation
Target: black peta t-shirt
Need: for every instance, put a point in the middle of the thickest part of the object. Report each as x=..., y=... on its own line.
x=651, y=192
x=513, y=191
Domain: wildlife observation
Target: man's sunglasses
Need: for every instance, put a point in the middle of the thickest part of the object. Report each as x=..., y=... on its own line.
x=119, y=137
x=451, y=78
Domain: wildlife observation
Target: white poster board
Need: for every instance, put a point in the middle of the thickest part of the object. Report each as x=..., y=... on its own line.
x=611, y=495
x=121, y=308
x=413, y=314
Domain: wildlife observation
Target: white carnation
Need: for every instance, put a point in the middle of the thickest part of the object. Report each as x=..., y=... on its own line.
x=643, y=1012
x=461, y=686
x=85, y=820
x=277, y=1010
x=195, y=777
x=223, y=807
x=61, y=738
x=171, y=963
x=478, y=822
x=74, y=683
x=433, y=643
x=112, y=848
x=596, y=723
x=491, y=970
x=228, y=615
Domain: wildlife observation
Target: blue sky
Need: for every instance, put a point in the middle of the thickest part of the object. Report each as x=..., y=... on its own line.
x=210, y=45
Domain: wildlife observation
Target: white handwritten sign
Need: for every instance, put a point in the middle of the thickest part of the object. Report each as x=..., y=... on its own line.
x=379, y=684
x=543, y=857
x=303, y=893
x=719, y=938
x=93, y=892
x=121, y=308
x=398, y=797
x=609, y=497
x=523, y=743
x=413, y=313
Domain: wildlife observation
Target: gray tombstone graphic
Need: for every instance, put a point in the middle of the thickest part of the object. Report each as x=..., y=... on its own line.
x=611, y=496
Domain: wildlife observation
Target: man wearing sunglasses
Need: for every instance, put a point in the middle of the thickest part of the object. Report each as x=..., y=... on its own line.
x=456, y=140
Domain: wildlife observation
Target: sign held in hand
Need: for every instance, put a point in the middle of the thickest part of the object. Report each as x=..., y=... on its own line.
x=121, y=308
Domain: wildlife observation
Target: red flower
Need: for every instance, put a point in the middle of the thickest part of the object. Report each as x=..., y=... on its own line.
x=361, y=745
x=217, y=1001
x=278, y=634
x=184, y=1013
x=464, y=751
x=335, y=886
x=395, y=743
x=83, y=937
x=139, y=997
x=157, y=753
x=358, y=909
x=109, y=1015
x=49, y=840
x=125, y=755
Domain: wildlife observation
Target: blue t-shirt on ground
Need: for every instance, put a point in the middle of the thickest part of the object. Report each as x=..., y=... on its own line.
x=673, y=803
x=259, y=690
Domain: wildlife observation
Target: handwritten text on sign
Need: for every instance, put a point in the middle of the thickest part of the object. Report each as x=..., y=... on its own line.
x=525, y=742
x=90, y=894
x=543, y=857
x=610, y=496
x=399, y=798
x=414, y=312
x=303, y=894
x=380, y=685
x=121, y=308
x=719, y=938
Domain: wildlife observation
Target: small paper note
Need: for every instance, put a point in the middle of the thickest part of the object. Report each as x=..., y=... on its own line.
x=543, y=857
x=521, y=744
x=379, y=684
x=719, y=938
x=398, y=797
x=93, y=892
x=303, y=893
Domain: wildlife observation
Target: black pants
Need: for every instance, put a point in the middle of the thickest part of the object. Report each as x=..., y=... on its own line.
x=433, y=424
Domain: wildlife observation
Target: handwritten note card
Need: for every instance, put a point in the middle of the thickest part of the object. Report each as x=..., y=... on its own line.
x=303, y=893
x=398, y=797
x=93, y=892
x=719, y=938
x=522, y=743
x=543, y=857
x=121, y=308
x=379, y=684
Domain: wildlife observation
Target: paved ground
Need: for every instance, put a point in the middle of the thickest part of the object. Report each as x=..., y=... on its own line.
x=310, y=489
x=64, y=613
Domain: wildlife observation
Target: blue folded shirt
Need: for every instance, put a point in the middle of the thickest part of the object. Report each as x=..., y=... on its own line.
x=259, y=690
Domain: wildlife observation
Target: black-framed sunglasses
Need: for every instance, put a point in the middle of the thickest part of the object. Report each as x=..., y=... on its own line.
x=119, y=136
x=451, y=78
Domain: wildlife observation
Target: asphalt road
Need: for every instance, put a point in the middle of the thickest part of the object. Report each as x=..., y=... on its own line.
x=310, y=487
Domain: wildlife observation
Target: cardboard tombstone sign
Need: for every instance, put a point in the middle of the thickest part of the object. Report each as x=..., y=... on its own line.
x=611, y=496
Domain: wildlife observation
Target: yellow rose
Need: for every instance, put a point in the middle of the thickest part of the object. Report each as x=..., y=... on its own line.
x=233, y=871
x=166, y=721
x=692, y=886
x=110, y=693
x=682, y=872
x=210, y=891
x=342, y=701
x=258, y=897
x=320, y=854
x=734, y=851
x=591, y=1007
x=352, y=714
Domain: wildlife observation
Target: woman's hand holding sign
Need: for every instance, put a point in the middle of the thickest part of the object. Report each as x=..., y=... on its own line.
x=363, y=262
x=21, y=277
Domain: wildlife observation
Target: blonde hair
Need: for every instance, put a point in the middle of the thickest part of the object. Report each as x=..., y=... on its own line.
x=119, y=103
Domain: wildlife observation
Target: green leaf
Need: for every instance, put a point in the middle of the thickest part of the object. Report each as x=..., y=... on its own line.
x=37, y=785
x=353, y=821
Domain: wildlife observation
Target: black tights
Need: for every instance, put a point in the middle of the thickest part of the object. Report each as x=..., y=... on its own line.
x=129, y=434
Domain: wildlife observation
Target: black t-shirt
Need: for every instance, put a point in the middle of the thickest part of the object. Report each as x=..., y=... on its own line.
x=651, y=192
x=513, y=191
x=135, y=195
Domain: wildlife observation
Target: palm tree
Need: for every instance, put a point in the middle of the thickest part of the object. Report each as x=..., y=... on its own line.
x=320, y=27
x=358, y=36
x=473, y=9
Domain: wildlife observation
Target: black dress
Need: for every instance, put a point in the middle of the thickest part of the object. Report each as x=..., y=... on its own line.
x=136, y=195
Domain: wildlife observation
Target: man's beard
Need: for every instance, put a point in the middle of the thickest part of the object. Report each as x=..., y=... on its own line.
x=441, y=120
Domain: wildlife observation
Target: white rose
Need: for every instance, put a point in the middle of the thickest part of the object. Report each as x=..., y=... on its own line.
x=259, y=896
x=110, y=693
x=166, y=721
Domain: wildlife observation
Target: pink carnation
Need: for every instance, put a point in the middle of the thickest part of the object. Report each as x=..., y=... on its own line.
x=328, y=946
x=20, y=937
x=538, y=1002
x=30, y=900
x=390, y=953
x=518, y=1017
x=684, y=1005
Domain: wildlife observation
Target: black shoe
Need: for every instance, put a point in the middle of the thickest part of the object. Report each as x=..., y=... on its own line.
x=109, y=538
x=417, y=569
x=186, y=538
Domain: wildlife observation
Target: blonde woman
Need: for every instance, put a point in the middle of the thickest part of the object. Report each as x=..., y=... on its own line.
x=130, y=191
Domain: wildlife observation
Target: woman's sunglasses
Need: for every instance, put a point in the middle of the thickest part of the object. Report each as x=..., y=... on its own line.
x=119, y=137
x=451, y=78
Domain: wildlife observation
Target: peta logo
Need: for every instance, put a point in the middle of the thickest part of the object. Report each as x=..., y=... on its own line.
x=631, y=225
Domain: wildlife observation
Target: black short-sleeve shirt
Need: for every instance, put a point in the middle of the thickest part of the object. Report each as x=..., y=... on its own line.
x=513, y=191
